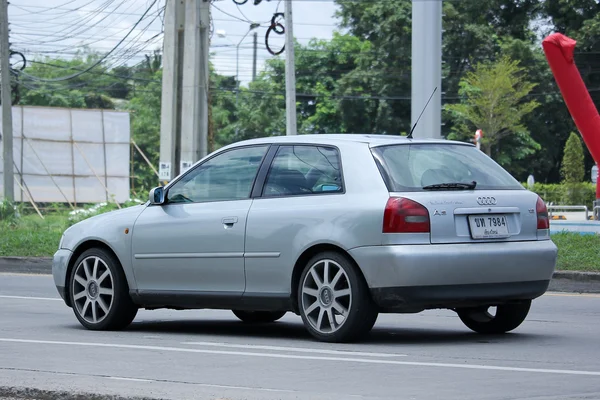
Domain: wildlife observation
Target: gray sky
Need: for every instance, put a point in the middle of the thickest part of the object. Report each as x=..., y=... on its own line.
x=62, y=27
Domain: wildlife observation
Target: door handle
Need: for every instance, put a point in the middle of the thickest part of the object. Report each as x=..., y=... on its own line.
x=229, y=221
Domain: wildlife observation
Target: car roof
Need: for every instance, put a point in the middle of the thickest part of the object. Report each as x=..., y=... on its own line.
x=371, y=140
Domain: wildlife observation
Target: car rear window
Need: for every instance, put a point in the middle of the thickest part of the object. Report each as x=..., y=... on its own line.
x=411, y=167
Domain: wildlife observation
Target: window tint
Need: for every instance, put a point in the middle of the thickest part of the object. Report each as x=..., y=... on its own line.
x=411, y=167
x=300, y=170
x=228, y=176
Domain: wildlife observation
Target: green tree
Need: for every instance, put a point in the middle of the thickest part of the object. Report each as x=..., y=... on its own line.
x=321, y=99
x=145, y=131
x=43, y=83
x=492, y=99
x=573, y=168
x=377, y=91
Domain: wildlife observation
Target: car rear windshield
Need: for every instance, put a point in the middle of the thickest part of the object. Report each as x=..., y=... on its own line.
x=420, y=167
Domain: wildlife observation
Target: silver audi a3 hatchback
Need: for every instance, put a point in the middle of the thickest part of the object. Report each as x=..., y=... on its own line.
x=334, y=228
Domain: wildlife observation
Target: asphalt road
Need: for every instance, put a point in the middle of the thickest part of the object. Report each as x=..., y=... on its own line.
x=555, y=354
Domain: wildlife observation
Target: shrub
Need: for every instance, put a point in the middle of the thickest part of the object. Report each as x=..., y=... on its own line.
x=8, y=211
x=567, y=194
x=573, y=166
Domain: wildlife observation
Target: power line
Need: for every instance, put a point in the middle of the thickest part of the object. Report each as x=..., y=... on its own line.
x=102, y=58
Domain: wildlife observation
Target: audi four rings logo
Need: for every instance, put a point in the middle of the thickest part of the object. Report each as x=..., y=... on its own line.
x=486, y=201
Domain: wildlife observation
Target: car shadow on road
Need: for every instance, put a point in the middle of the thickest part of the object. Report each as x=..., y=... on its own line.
x=286, y=330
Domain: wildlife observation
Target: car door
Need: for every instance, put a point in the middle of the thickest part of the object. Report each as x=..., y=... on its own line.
x=194, y=242
x=303, y=190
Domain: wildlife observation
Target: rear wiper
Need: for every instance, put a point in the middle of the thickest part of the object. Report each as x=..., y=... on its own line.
x=451, y=186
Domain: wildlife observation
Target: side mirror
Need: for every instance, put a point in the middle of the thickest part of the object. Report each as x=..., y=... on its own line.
x=157, y=195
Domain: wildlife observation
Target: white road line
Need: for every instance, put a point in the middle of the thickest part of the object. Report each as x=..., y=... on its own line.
x=31, y=298
x=118, y=378
x=565, y=294
x=314, y=358
x=295, y=349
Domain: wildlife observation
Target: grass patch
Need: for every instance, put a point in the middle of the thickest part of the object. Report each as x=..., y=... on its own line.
x=577, y=252
x=30, y=236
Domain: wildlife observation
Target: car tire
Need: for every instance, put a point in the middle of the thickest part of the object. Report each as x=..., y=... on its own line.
x=341, y=292
x=99, y=292
x=507, y=318
x=258, y=317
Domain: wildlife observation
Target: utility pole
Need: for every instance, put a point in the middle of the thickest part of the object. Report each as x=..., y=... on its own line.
x=184, y=114
x=7, y=133
x=194, y=108
x=170, y=118
x=427, y=67
x=290, y=71
x=254, y=56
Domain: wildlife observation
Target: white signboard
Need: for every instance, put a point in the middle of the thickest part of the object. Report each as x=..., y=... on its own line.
x=164, y=171
x=185, y=165
x=70, y=155
x=594, y=173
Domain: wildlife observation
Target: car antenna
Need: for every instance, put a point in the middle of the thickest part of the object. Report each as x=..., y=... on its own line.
x=418, y=119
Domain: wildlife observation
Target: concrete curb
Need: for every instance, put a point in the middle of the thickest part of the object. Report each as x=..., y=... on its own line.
x=37, y=394
x=26, y=265
x=562, y=281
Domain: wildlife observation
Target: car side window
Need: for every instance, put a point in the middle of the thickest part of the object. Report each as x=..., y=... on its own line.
x=304, y=170
x=227, y=176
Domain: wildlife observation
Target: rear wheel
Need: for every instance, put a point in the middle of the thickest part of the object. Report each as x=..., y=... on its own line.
x=259, y=317
x=334, y=300
x=506, y=318
x=99, y=292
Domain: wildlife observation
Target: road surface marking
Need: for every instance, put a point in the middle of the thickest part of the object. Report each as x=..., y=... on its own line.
x=295, y=349
x=556, y=294
x=313, y=358
x=31, y=298
x=118, y=378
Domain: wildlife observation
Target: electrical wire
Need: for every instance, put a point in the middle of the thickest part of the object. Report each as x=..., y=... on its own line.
x=102, y=58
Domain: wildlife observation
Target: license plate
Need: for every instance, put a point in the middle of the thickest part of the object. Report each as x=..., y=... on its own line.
x=489, y=226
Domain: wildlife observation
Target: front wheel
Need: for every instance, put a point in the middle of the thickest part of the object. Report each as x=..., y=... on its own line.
x=258, y=317
x=334, y=299
x=506, y=318
x=99, y=292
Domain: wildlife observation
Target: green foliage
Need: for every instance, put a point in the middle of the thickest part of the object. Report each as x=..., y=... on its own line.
x=573, y=194
x=493, y=99
x=145, y=106
x=577, y=252
x=8, y=211
x=573, y=168
x=94, y=89
x=30, y=236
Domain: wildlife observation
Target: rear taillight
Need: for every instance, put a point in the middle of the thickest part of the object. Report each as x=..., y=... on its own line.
x=405, y=216
x=543, y=222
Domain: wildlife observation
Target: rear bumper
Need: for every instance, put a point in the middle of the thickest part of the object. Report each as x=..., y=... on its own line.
x=466, y=269
x=417, y=298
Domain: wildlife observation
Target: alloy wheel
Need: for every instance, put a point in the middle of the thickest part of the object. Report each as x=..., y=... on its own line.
x=326, y=296
x=93, y=289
